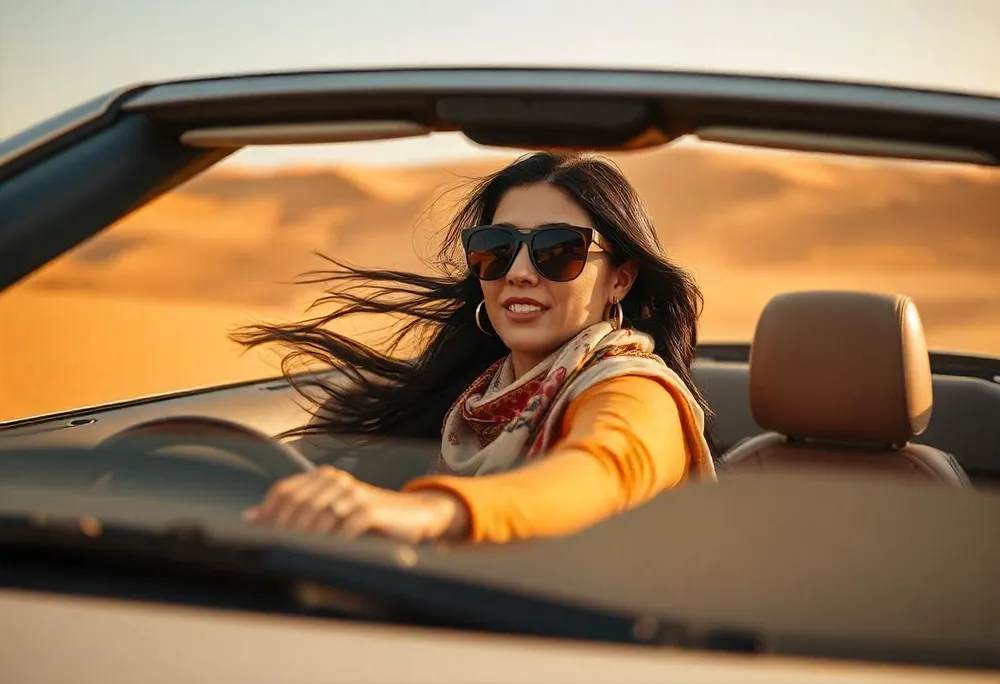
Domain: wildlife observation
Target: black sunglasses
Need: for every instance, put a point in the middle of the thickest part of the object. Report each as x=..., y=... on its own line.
x=558, y=251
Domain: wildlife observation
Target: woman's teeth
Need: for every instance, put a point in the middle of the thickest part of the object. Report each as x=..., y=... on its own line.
x=523, y=308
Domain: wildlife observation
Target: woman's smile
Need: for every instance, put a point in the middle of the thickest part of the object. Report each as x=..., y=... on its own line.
x=522, y=309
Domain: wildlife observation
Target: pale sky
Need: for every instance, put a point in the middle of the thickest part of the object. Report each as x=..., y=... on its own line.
x=57, y=53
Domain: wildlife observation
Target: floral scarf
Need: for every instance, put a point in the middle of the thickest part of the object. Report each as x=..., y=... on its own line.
x=498, y=423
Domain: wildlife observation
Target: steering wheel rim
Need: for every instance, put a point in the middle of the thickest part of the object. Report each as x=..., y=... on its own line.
x=276, y=459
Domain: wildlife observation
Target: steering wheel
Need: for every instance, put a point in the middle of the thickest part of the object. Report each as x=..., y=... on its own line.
x=274, y=458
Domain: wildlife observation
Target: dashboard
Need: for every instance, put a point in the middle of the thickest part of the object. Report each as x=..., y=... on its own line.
x=963, y=422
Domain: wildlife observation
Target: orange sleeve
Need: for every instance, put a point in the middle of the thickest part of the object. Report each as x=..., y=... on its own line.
x=622, y=442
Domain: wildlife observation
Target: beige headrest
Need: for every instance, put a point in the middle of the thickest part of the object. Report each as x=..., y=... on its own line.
x=845, y=366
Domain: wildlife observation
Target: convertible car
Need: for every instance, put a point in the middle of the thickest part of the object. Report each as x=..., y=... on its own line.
x=854, y=533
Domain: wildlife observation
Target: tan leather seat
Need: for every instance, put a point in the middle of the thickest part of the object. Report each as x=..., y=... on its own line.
x=843, y=382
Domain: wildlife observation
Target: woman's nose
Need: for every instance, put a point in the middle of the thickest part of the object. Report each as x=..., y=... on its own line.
x=522, y=271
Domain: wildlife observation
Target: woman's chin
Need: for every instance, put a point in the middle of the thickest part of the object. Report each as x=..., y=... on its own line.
x=537, y=344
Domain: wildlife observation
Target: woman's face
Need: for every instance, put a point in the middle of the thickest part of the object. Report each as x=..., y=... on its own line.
x=534, y=316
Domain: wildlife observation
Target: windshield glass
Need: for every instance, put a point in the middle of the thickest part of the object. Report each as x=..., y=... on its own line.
x=147, y=306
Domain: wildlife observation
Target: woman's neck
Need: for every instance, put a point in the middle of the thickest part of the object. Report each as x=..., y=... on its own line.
x=523, y=363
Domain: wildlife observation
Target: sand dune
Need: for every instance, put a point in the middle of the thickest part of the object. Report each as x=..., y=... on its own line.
x=80, y=348
x=146, y=306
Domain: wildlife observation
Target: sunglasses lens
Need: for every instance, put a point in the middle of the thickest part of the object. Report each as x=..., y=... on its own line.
x=559, y=253
x=490, y=252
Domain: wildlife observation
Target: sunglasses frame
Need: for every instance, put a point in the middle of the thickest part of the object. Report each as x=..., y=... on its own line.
x=591, y=238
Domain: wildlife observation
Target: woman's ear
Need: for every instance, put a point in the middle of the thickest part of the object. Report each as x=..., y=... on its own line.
x=623, y=279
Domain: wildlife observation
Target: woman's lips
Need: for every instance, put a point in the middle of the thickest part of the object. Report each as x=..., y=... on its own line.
x=522, y=310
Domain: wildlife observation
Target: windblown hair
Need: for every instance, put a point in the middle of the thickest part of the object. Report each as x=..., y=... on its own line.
x=390, y=396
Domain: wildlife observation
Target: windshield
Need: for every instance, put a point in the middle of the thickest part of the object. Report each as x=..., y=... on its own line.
x=147, y=306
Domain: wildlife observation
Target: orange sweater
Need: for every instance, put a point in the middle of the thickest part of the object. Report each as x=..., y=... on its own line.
x=621, y=443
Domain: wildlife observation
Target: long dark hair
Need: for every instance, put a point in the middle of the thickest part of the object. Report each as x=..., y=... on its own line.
x=389, y=396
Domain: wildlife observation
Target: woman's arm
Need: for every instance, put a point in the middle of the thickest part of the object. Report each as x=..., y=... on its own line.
x=623, y=441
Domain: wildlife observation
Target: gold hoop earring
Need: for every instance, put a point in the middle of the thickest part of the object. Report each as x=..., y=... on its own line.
x=479, y=324
x=615, y=314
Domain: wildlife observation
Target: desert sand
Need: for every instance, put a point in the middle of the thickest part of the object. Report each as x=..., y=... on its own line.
x=146, y=307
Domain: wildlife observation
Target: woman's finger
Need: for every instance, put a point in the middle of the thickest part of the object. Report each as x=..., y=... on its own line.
x=332, y=516
x=344, y=506
x=302, y=504
x=284, y=503
x=298, y=508
x=292, y=494
x=277, y=495
x=325, y=508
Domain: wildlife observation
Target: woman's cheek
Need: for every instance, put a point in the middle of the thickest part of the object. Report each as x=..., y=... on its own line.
x=573, y=302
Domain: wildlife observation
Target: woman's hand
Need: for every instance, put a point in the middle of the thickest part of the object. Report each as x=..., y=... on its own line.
x=331, y=501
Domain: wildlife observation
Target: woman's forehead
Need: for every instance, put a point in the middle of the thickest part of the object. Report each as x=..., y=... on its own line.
x=534, y=205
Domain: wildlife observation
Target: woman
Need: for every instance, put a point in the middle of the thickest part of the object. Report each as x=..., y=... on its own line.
x=557, y=358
